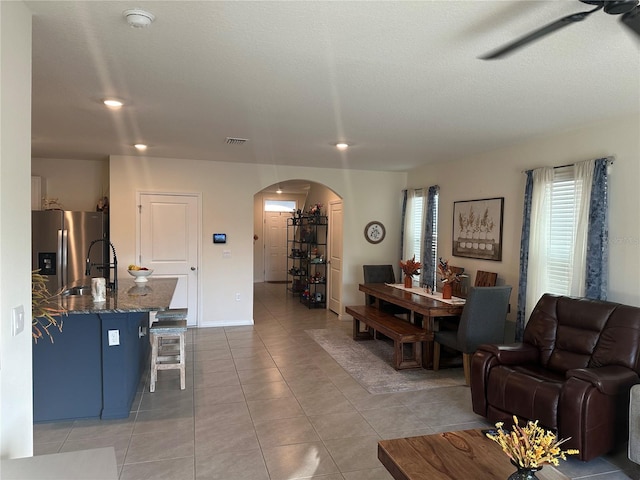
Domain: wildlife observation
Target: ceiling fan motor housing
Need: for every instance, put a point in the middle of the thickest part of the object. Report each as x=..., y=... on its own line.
x=614, y=7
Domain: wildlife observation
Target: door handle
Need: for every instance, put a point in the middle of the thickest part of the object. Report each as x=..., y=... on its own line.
x=63, y=258
x=193, y=269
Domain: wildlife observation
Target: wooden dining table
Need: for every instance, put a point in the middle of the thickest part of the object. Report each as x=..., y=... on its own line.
x=424, y=310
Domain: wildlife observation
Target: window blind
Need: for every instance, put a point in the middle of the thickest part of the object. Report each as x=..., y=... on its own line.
x=434, y=242
x=418, y=227
x=563, y=197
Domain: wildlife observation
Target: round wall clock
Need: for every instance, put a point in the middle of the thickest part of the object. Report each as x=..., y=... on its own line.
x=374, y=232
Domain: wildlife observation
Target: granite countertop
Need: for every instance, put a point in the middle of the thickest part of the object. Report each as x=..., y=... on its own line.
x=154, y=295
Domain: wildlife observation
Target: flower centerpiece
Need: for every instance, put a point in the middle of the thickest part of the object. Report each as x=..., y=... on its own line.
x=410, y=268
x=529, y=447
x=447, y=277
x=446, y=274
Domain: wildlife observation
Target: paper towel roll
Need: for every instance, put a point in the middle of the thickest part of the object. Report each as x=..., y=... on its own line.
x=98, y=289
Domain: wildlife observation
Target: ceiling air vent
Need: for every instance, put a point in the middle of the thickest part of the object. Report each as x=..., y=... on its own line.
x=236, y=141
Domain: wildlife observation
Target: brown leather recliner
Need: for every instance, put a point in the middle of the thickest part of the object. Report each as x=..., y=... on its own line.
x=573, y=372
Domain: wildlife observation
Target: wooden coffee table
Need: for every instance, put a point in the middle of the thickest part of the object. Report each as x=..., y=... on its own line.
x=450, y=456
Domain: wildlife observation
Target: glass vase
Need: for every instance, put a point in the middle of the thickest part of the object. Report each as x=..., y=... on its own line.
x=524, y=473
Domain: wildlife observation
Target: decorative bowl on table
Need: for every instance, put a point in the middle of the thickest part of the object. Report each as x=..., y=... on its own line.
x=140, y=274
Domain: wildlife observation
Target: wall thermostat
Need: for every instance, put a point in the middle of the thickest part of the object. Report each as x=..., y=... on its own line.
x=219, y=238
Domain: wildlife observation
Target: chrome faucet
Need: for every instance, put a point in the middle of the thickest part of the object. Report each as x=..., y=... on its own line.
x=105, y=266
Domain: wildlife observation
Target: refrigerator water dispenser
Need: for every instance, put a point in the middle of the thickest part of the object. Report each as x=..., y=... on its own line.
x=47, y=263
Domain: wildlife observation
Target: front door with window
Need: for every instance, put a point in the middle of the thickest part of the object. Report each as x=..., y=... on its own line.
x=276, y=246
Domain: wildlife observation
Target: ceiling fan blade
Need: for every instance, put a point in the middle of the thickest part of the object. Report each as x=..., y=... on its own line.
x=632, y=20
x=537, y=34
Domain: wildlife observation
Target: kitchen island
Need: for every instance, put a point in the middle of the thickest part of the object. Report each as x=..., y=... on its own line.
x=94, y=366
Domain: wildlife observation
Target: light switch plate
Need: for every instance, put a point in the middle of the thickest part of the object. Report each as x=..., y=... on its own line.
x=17, y=320
x=114, y=337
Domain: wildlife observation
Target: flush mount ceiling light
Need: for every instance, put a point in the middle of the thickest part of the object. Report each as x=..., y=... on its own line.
x=342, y=146
x=138, y=18
x=112, y=103
x=140, y=147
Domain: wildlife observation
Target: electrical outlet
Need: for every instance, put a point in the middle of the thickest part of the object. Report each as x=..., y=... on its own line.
x=17, y=320
x=114, y=337
x=237, y=297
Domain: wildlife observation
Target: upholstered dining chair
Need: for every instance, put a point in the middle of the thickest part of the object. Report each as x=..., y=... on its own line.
x=482, y=321
x=378, y=274
x=382, y=274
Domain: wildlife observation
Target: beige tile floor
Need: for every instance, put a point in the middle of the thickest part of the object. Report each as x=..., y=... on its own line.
x=266, y=402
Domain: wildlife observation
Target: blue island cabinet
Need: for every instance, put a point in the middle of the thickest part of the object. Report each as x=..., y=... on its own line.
x=81, y=375
x=123, y=365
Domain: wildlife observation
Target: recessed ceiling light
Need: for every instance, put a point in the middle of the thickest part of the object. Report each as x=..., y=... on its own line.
x=342, y=146
x=112, y=103
x=140, y=146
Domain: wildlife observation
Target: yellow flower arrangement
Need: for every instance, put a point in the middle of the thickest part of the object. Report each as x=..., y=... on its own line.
x=530, y=446
x=43, y=308
x=410, y=267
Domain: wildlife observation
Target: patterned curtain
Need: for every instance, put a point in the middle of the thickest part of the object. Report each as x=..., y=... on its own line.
x=524, y=257
x=428, y=271
x=597, y=281
x=404, y=214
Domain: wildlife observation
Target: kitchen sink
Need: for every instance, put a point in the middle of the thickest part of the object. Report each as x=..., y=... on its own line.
x=78, y=290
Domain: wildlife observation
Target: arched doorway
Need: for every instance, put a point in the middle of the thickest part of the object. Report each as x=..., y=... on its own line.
x=270, y=235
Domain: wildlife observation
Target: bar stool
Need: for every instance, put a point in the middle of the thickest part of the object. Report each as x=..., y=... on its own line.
x=167, y=336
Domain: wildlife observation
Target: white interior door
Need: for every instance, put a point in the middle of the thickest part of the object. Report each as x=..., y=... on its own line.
x=275, y=246
x=169, y=229
x=335, y=256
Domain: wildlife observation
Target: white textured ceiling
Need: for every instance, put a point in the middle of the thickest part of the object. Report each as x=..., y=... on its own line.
x=401, y=81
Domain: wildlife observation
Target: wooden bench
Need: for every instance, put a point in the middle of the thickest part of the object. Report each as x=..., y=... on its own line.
x=400, y=331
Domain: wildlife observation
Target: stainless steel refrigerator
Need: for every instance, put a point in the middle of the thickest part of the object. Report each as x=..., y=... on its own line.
x=60, y=242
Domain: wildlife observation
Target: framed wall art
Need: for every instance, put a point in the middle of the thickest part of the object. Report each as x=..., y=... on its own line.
x=477, y=228
x=374, y=232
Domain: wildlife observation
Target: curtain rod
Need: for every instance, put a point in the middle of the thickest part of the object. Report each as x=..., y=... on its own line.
x=610, y=161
